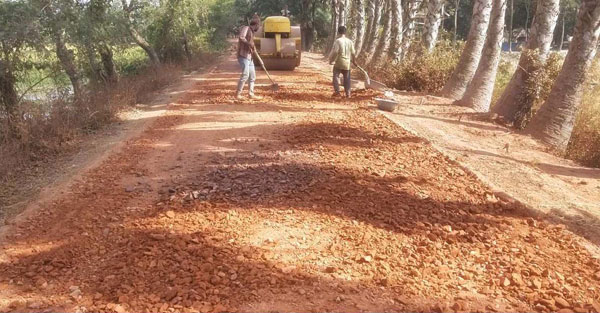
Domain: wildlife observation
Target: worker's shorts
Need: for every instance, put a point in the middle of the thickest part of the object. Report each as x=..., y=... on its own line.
x=248, y=74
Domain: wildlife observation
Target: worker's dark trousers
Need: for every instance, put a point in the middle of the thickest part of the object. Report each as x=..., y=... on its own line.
x=347, y=81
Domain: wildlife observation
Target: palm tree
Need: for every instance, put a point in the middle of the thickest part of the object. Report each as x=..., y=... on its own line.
x=411, y=7
x=479, y=92
x=534, y=55
x=395, y=50
x=467, y=65
x=433, y=20
x=384, y=42
x=359, y=24
x=553, y=123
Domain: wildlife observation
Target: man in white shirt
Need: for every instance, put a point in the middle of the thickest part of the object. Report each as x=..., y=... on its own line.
x=342, y=54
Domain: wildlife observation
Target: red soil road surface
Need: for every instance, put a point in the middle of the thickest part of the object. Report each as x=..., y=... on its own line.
x=298, y=202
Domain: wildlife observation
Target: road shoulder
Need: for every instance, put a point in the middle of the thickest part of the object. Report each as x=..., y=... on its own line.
x=514, y=166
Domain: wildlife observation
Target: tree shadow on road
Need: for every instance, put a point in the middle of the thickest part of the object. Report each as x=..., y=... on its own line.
x=288, y=226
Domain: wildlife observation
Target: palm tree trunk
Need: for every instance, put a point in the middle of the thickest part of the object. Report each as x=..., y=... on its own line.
x=395, y=50
x=479, y=92
x=384, y=42
x=562, y=34
x=370, y=19
x=343, y=10
x=510, y=24
x=373, y=32
x=359, y=25
x=456, y=7
x=411, y=7
x=433, y=21
x=553, y=123
x=533, y=56
x=467, y=65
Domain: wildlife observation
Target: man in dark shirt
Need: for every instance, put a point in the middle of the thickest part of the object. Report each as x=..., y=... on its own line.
x=244, y=55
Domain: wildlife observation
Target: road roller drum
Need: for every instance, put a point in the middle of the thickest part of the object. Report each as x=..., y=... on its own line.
x=279, y=43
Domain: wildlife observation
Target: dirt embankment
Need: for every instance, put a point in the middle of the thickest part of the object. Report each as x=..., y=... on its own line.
x=298, y=202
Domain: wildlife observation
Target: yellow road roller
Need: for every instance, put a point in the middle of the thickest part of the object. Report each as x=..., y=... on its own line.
x=279, y=44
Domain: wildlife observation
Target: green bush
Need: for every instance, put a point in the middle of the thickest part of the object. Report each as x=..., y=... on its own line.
x=130, y=60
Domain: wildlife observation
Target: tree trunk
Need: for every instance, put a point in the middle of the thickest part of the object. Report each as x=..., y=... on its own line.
x=334, y=24
x=308, y=37
x=479, y=92
x=562, y=34
x=395, y=50
x=456, y=7
x=510, y=25
x=370, y=18
x=139, y=39
x=411, y=7
x=186, y=45
x=469, y=59
x=67, y=60
x=8, y=92
x=528, y=13
x=384, y=42
x=97, y=74
x=343, y=12
x=108, y=63
x=534, y=55
x=307, y=24
x=433, y=21
x=554, y=121
x=369, y=50
x=359, y=25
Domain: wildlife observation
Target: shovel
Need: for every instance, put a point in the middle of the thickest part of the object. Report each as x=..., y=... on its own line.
x=367, y=79
x=274, y=85
x=371, y=84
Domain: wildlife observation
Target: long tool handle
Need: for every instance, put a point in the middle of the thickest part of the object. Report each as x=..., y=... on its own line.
x=263, y=65
x=367, y=78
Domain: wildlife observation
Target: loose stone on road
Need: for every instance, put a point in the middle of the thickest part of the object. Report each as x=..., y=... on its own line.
x=297, y=202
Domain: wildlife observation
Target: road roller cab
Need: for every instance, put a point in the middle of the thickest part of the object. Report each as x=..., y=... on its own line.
x=279, y=43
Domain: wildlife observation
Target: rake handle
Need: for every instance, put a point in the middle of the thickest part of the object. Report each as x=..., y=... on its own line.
x=263, y=66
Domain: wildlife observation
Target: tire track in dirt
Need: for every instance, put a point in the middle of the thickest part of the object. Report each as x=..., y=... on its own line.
x=297, y=202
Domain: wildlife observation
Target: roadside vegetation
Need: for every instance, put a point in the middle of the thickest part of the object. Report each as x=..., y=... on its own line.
x=524, y=83
x=67, y=68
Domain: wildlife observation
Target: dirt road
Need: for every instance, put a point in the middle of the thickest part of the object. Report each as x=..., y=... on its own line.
x=297, y=202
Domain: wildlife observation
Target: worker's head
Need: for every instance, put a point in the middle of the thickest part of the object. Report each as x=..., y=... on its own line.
x=342, y=30
x=254, y=25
